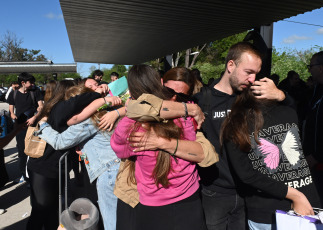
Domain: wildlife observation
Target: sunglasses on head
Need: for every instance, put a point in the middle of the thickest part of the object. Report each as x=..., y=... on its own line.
x=180, y=97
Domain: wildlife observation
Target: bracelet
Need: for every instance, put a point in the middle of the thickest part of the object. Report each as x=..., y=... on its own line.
x=173, y=154
x=117, y=112
x=186, y=112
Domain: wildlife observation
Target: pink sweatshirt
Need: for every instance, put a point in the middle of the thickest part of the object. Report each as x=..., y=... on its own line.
x=184, y=179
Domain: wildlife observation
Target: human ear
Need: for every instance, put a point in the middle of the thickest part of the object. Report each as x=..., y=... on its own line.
x=231, y=66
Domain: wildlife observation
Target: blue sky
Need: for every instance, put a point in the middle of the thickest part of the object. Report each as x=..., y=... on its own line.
x=41, y=26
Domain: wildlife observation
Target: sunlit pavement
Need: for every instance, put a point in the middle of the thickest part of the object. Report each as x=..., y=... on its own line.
x=13, y=197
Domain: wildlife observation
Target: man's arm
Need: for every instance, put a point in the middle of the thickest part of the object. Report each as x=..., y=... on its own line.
x=12, y=112
x=32, y=120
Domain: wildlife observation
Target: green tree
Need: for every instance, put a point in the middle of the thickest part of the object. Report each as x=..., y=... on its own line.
x=120, y=69
x=292, y=59
x=11, y=50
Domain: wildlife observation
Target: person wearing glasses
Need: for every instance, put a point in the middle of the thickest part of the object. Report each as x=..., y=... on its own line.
x=313, y=131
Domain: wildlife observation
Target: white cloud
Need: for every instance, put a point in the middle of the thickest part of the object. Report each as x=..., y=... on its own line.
x=319, y=31
x=54, y=16
x=294, y=38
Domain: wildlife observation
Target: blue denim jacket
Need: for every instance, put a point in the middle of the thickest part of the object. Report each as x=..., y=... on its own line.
x=95, y=144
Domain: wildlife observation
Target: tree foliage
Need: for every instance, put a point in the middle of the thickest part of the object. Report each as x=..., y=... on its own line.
x=122, y=70
x=11, y=50
x=211, y=59
x=292, y=59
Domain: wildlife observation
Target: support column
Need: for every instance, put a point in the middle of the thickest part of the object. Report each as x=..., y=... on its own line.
x=266, y=33
x=262, y=38
x=168, y=62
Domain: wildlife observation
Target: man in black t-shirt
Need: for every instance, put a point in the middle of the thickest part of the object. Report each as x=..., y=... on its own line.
x=223, y=205
x=26, y=103
x=97, y=76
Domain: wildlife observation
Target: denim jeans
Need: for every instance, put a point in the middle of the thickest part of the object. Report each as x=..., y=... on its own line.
x=261, y=226
x=107, y=200
x=223, y=211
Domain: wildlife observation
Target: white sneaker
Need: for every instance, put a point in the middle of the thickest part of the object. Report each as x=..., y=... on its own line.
x=2, y=211
x=19, y=180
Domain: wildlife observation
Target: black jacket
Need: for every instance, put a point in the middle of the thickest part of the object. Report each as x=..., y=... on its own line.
x=313, y=132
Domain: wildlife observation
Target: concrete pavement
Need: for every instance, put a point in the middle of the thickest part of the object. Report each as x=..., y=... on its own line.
x=14, y=198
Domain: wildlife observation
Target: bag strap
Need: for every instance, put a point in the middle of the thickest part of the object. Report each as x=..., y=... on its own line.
x=32, y=95
x=14, y=96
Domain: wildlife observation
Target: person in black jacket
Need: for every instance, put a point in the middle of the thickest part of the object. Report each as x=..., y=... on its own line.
x=263, y=146
x=223, y=205
x=24, y=101
x=313, y=132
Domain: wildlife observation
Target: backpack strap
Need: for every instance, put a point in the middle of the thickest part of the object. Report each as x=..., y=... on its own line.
x=33, y=98
x=14, y=96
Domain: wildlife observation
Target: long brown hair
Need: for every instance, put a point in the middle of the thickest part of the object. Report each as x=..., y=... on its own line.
x=58, y=95
x=245, y=117
x=50, y=87
x=144, y=79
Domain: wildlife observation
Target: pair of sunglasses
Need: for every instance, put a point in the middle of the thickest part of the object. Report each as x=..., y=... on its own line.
x=180, y=97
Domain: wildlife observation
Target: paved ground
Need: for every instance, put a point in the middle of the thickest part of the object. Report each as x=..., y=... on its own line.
x=13, y=198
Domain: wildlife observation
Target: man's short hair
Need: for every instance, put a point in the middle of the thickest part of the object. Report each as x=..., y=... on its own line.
x=14, y=83
x=97, y=73
x=24, y=76
x=114, y=74
x=318, y=57
x=236, y=51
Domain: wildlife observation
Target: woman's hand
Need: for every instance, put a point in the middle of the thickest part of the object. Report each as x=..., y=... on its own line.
x=195, y=111
x=142, y=142
x=114, y=100
x=300, y=204
x=43, y=120
x=107, y=121
x=102, y=89
x=31, y=121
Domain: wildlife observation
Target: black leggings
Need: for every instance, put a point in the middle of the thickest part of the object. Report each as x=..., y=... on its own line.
x=44, y=202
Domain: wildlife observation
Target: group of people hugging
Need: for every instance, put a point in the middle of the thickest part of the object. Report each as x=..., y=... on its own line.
x=159, y=161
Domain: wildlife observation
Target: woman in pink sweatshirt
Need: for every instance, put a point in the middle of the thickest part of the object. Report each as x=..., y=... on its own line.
x=167, y=185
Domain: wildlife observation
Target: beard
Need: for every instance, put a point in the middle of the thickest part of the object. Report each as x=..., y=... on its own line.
x=236, y=85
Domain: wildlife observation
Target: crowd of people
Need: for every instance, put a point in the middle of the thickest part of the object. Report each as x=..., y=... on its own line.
x=179, y=154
